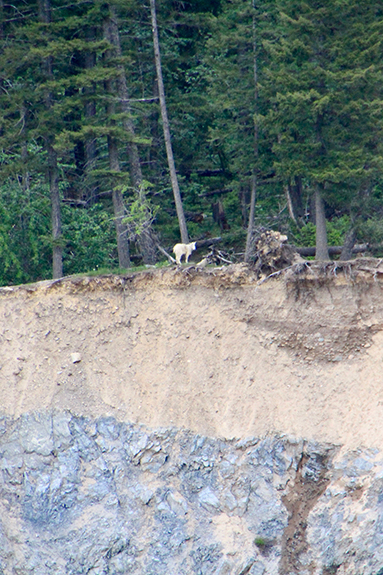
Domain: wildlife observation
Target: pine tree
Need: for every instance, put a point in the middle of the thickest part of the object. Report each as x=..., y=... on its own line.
x=53, y=174
x=60, y=105
x=250, y=226
x=38, y=59
x=114, y=164
x=324, y=88
x=235, y=62
x=146, y=237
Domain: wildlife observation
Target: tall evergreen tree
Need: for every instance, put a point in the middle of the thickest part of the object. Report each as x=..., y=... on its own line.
x=146, y=238
x=254, y=179
x=49, y=139
x=324, y=88
x=235, y=63
x=114, y=164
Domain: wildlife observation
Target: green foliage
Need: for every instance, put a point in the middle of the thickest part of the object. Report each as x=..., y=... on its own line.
x=89, y=236
x=305, y=236
x=315, y=109
x=336, y=232
x=337, y=229
x=25, y=244
x=321, y=102
x=25, y=238
x=140, y=212
x=260, y=542
x=371, y=231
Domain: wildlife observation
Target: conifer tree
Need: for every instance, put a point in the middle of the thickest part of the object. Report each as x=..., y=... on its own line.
x=324, y=89
x=114, y=164
x=235, y=63
x=146, y=235
x=90, y=144
x=42, y=98
x=250, y=226
x=49, y=138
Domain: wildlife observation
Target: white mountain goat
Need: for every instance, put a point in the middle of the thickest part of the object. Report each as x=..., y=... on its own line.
x=183, y=250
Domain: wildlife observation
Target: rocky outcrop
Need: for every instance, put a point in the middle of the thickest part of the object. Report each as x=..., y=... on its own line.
x=103, y=497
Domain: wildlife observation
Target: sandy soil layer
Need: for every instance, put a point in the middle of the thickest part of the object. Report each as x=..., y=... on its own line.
x=212, y=351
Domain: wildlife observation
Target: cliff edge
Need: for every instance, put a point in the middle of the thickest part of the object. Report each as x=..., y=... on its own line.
x=217, y=352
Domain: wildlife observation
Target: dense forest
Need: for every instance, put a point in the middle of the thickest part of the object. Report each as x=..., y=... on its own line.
x=128, y=125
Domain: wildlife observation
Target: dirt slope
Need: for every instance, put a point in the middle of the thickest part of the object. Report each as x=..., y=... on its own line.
x=212, y=351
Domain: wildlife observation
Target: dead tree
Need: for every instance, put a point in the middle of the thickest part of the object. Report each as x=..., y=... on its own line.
x=166, y=128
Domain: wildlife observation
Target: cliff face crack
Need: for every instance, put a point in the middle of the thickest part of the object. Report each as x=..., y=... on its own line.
x=309, y=484
x=246, y=570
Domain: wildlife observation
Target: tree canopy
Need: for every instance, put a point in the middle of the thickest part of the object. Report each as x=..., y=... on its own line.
x=279, y=102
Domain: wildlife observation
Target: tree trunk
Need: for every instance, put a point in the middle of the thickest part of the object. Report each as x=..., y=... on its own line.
x=166, y=127
x=296, y=194
x=24, y=159
x=113, y=37
x=253, y=197
x=119, y=210
x=25, y=179
x=321, y=253
x=293, y=193
x=348, y=245
x=250, y=227
x=53, y=173
x=114, y=165
x=219, y=215
x=91, y=185
x=290, y=206
x=146, y=239
x=1, y=19
x=152, y=150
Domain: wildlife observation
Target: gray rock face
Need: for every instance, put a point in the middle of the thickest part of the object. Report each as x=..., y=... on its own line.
x=103, y=497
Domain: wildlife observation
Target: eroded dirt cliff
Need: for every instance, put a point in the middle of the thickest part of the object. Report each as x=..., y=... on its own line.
x=186, y=421
x=216, y=352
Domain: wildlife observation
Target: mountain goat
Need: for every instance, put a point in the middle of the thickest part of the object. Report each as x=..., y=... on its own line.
x=183, y=250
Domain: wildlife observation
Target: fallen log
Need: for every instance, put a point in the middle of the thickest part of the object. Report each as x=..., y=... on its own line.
x=333, y=250
x=207, y=243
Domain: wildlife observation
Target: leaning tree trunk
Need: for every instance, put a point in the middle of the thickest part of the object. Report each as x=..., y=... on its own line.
x=146, y=238
x=53, y=173
x=166, y=127
x=321, y=253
